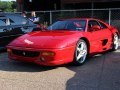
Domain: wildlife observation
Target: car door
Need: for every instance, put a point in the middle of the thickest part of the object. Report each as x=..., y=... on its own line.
x=99, y=38
x=4, y=33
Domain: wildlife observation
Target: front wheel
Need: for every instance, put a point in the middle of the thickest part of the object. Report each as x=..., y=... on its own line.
x=81, y=52
x=115, y=44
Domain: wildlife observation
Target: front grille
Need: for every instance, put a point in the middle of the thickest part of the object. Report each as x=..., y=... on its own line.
x=25, y=53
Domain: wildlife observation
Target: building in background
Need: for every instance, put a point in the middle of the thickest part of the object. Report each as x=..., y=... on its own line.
x=44, y=5
x=38, y=5
x=20, y=5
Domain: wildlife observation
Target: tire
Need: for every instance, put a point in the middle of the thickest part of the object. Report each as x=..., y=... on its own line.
x=115, y=43
x=81, y=52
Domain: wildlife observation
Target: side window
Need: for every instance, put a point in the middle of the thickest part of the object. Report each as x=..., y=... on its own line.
x=17, y=19
x=2, y=23
x=92, y=23
x=103, y=26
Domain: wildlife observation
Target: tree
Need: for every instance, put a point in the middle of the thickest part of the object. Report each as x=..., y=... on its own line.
x=7, y=6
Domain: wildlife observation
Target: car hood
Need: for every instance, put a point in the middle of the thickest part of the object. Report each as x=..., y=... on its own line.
x=47, y=39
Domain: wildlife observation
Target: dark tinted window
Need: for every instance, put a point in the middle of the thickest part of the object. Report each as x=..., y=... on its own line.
x=92, y=23
x=68, y=25
x=2, y=23
x=102, y=25
x=16, y=19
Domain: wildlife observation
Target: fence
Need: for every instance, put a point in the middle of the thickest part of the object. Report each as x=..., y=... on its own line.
x=111, y=16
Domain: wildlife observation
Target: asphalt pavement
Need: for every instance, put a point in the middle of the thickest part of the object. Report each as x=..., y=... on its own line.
x=101, y=72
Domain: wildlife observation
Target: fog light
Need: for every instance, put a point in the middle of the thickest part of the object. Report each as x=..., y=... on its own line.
x=42, y=59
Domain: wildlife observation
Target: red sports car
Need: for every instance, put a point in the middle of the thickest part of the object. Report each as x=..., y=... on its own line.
x=65, y=41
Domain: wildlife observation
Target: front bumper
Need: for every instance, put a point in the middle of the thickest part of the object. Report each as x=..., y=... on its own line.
x=62, y=56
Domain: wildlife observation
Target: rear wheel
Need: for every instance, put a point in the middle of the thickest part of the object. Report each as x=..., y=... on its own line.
x=115, y=44
x=81, y=52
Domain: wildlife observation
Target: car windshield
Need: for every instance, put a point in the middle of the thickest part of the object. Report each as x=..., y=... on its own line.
x=72, y=25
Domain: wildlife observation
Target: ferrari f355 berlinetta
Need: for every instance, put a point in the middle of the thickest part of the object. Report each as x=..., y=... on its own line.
x=65, y=41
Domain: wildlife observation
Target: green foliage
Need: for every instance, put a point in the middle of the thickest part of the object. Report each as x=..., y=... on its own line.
x=7, y=6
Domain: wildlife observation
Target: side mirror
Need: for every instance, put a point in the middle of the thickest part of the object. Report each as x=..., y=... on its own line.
x=94, y=28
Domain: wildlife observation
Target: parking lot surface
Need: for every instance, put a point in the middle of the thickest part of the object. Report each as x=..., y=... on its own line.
x=101, y=72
